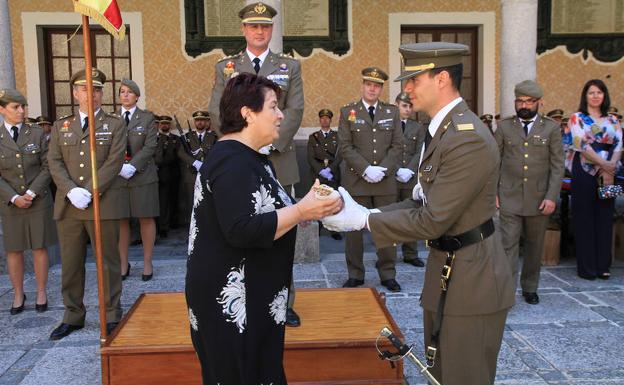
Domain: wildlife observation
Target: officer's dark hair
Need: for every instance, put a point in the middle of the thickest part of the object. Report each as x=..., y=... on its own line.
x=244, y=90
x=606, y=102
x=455, y=73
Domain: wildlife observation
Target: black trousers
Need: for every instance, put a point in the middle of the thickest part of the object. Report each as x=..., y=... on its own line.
x=592, y=222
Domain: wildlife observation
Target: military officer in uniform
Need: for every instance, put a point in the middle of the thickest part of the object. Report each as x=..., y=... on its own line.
x=45, y=124
x=531, y=169
x=413, y=139
x=69, y=160
x=200, y=141
x=615, y=112
x=139, y=177
x=323, y=156
x=26, y=208
x=257, y=28
x=487, y=120
x=556, y=115
x=464, y=317
x=371, y=142
x=166, y=159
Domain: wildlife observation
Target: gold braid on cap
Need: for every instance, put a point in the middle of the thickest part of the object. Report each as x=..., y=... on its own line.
x=421, y=67
x=260, y=8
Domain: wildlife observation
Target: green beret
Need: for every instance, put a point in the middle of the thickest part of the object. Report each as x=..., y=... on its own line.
x=325, y=112
x=374, y=74
x=404, y=97
x=9, y=95
x=529, y=88
x=198, y=115
x=257, y=13
x=421, y=57
x=80, y=78
x=132, y=85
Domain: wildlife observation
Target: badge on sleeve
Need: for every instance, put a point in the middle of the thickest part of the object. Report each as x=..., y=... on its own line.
x=352, y=116
x=65, y=126
x=229, y=68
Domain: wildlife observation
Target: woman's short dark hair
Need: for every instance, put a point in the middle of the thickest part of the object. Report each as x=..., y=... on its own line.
x=244, y=90
x=606, y=102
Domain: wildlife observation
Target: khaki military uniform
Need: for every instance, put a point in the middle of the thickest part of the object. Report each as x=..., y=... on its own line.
x=24, y=166
x=364, y=143
x=188, y=173
x=322, y=153
x=286, y=72
x=166, y=159
x=69, y=161
x=142, y=187
x=458, y=174
x=531, y=169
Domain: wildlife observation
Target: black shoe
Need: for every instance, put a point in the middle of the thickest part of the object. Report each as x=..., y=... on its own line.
x=530, y=298
x=147, y=277
x=352, y=282
x=604, y=276
x=391, y=284
x=124, y=276
x=110, y=327
x=415, y=262
x=587, y=277
x=336, y=236
x=292, y=318
x=19, y=309
x=40, y=308
x=63, y=330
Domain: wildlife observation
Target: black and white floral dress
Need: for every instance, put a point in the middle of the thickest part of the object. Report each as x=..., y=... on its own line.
x=237, y=276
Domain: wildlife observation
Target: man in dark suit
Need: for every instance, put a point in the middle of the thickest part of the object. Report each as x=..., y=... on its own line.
x=166, y=159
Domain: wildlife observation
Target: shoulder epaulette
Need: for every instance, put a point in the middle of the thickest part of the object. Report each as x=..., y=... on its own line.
x=463, y=122
x=113, y=114
x=65, y=117
x=507, y=117
x=350, y=104
x=285, y=55
x=236, y=55
x=549, y=119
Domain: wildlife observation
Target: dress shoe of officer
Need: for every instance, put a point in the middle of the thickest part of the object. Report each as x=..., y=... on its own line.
x=19, y=309
x=110, y=327
x=63, y=330
x=415, y=262
x=392, y=285
x=352, y=282
x=530, y=298
x=292, y=318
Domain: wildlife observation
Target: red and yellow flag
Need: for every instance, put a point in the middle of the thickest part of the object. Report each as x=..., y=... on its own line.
x=105, y=12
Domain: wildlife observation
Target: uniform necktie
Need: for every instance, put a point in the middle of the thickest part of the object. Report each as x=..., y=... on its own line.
x=127, y=117
x=201, y=137
x=428, y=138
x=371, y=112
x=256, y=65
x=15, y=131
x=526, y=127
x=85, y=124
x=403, y=125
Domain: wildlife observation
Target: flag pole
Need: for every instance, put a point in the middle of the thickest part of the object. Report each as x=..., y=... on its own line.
x=96, y=195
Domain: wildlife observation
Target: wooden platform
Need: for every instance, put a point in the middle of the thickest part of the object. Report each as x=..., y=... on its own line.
x=335, y=344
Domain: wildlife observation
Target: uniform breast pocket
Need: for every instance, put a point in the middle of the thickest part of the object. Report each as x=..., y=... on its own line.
x=540, y=141
x=32, y=155
x=8, y=160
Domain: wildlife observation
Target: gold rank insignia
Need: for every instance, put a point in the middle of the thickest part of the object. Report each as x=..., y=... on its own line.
x=260, y=8
x=229, y=68
x=352, y=116
x=465, y=127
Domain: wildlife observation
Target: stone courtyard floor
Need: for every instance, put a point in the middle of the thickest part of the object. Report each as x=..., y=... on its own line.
x=574, y=336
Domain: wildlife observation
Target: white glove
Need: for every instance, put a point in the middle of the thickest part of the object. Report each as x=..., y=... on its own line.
x=374, y=174
x=197, y=164
x=127, y=171
x=79, y=197
x=266, y=150
x=418, y=194
x=403, y=175
x=326, y=173
x=352, y=217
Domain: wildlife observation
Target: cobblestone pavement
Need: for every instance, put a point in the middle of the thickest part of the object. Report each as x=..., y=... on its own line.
x=574, y=336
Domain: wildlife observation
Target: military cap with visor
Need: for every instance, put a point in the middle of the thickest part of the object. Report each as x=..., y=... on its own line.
x=421, y=57
x=556, y=113
x=486, y=118
x=10, y=95
x=165, y=119
x=404, y=97
x=201, y=115
x=528, y=88
x=374, y=74
x=326, y=112
x=257, y=13
x=80, y=78
x=43, y=120
x=132, y=85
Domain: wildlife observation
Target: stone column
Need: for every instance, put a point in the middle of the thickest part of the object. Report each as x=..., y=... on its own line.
x=518, y=49
x=7, y=74
x=276, y=44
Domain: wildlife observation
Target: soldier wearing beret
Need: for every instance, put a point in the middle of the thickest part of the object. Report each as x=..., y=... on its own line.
x=166, y=159
x=26, y=208
x=531, y=169
x=138, y=177
x=371, y=142
x=200, y=142
x=69, y=159
x=468, y=288
x=413, y=139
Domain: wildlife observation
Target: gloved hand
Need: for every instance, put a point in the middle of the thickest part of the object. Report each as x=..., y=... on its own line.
x=326, y=173
x=127, y=171
x=352, y=217
x=418, y=194
x=403, y=175
x=266, y=150
x=79, y=197
x=374, y=174
x=197, y=164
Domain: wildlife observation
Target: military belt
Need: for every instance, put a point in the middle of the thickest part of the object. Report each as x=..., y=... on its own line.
x=451, y=243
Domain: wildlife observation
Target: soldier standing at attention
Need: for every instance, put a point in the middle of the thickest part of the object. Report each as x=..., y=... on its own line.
x=468, y=288
x=139, y=177
x=166, y=159
x=46, y=125
x=69, y=159
x=26, y=208
x=371, y=142
x=200, y=142
x=257, y=28
x=531, y=169
x=413, y=139
x=323, y=156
